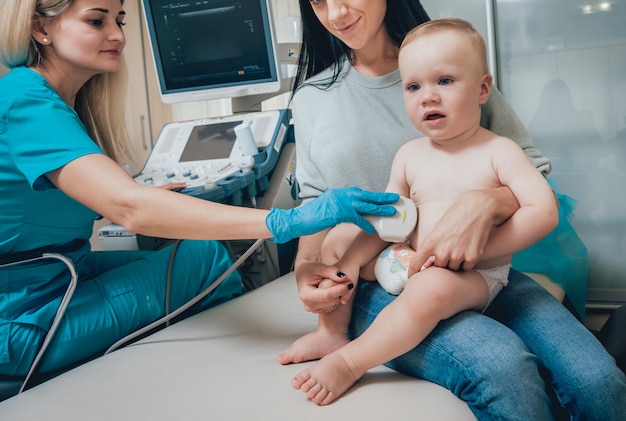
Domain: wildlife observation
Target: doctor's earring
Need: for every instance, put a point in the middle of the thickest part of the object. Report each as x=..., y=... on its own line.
x=44, y=41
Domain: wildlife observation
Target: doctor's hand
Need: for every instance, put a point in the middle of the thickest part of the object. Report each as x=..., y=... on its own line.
x=177, y=186
x=333, y=207
x=321, y=287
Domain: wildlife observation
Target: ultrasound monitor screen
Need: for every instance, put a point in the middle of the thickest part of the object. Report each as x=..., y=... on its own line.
x=207, y=44
x=210, y=141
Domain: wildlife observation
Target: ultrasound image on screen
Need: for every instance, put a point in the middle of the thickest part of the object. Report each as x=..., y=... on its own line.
x=212, y=43
x=210, y=141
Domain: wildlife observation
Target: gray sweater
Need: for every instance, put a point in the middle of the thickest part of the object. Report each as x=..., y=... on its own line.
x=348, y=134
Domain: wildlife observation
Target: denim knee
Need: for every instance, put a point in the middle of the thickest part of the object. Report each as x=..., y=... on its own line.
x=484, y=364
x=596, y=392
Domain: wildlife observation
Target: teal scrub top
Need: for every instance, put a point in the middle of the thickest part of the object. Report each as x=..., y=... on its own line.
x=39, y=133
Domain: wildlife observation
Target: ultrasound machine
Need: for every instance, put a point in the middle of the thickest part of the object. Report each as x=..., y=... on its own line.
x=214, y=49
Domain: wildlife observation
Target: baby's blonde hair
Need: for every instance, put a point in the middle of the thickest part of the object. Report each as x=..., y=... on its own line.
x=100, y=103
x=459, y=25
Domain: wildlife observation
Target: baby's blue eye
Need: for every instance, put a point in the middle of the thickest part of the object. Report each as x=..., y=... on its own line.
x=445, y=81
x=413, y=87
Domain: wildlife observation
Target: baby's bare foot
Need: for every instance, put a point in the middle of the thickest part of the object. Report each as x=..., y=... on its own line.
x=327, y=379
x=312, y=346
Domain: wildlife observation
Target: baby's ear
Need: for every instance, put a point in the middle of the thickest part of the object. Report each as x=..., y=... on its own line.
x=485, y=87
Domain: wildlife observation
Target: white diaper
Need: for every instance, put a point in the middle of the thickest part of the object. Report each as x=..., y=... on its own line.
x=392, y=267
x=496, y=278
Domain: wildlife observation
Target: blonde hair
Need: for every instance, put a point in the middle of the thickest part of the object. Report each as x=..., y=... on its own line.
x=455, y=24
x=100, y=103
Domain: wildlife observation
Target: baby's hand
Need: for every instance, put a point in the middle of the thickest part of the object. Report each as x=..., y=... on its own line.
x=328, y=283
x=346, y=278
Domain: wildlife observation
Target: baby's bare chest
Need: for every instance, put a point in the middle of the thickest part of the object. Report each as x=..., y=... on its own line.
x=444, y=180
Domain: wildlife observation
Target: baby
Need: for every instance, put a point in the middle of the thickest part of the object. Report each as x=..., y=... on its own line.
x=445, y=80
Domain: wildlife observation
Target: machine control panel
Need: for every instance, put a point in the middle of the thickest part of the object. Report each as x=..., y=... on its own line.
x=212, y=156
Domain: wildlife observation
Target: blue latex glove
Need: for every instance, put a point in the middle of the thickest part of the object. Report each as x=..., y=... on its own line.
x=333, y=207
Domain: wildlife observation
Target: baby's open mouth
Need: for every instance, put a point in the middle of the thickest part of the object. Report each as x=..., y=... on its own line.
x=434, y=116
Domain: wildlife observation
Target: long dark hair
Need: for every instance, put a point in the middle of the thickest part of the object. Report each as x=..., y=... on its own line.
x=320, y=49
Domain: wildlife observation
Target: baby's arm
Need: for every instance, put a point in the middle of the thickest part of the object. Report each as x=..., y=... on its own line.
x=538, y=212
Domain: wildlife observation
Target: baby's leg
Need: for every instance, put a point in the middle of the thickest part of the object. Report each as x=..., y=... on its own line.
x=330, y=335
x=329, y=378
x=430, y=296
x=332, y=329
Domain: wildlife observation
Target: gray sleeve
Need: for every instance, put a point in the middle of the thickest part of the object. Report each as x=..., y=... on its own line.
x=499, y=117
x=310, y=182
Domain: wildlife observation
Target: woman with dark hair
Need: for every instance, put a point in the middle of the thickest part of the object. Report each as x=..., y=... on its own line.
x=349, y=121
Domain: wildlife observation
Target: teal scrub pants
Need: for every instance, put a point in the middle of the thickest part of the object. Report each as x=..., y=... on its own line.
x=118, y=293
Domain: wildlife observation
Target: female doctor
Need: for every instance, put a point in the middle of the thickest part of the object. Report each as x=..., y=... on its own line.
x=349, y=120
x=61, y=133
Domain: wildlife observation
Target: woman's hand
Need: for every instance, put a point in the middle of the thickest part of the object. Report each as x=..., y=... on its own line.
x=321, y=287
x=458, y=240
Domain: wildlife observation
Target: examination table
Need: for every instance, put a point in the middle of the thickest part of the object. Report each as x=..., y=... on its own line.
x=221, y=365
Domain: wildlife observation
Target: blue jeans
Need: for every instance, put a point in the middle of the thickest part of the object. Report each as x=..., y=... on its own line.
x=118, y=293
x=494, y=362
